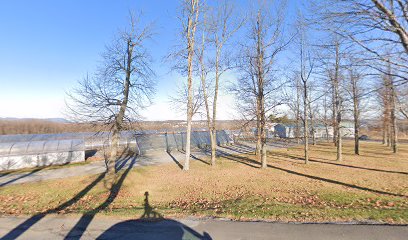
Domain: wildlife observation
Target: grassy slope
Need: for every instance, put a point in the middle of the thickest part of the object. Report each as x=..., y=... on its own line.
x=372, y=186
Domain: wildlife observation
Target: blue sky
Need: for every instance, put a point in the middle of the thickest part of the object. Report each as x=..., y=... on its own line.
x=47, y=46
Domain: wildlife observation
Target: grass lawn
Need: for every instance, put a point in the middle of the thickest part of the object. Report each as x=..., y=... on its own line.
x=369, y=187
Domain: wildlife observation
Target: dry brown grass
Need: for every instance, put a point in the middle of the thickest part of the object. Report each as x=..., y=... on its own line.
x=372, y=186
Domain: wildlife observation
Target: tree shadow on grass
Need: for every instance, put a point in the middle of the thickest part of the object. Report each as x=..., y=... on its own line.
x=256, y=164
x=337, y=164
x=152, y=225
x=20, y=176
x=27, y=224
x=195, y=158
x=23, y=227
x=372, y=154
x=4, y=174
x=240, y=159
x=175, y=160
x=240, y=149
x=80, y=227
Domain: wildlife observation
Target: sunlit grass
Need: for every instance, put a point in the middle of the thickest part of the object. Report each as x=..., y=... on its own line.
x=372, y=186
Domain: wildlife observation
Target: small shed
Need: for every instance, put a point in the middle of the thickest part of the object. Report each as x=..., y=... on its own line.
x=285, y=130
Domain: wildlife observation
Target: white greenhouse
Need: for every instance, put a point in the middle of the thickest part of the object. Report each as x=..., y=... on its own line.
x=28, y=154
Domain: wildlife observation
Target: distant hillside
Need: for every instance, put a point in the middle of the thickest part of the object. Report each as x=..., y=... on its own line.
x=60, y=125
x=57, y=120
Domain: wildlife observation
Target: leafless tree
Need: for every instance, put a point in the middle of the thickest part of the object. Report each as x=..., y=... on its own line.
x=379, y=27
x=179, y=98
x=356, y=94
x=257, y=87
x=388, y=96
x=325, y=118
x=120, y=89
x=294, y=96
x=189, y=19
x=306, y=69
x=337, y=100
x=216, y=33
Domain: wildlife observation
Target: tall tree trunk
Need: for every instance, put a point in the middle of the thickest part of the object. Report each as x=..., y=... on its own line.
x=263, y=133
x=384, y=129
x=312, y=129
x=191, y=28
x=305, y=123
x=338, y=104
x=356, y=136
x=334, y=115
x=356, y=114
x=258, y=133
x=110, y=166
x=261, y=94
x=394, y=127
x=298, y=93
x=213, y=129
x=325, y=118
x=117, y=126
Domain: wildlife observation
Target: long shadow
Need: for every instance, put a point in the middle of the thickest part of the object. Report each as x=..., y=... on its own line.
x=338, y=182
x=4, y=174
x=80, y=227
x=23, y=227
x=338, y=164
x=199, y=159
x=252, y=163
x=152, y=225
x=246, y=147
x=175, y=160
x=196, y=158
x=122, y=162
x=118, y=166
x=20, y=177
x=240, y=159
x=374, y=154
x=238, y=149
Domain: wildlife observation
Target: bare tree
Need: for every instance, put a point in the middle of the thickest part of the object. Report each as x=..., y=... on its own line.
x=257, y=87
x=325, y=119
x=388, y=97
x=376, y=26
x=335, y=79
x=390, y=85
x=306, y=68
x=294, y=104
x=180, y=97
x=191, y=10
x=355, y=79
x=216, y=33
x=384, y=93
x=120, y=89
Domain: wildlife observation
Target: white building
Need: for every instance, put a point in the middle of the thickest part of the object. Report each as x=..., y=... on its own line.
x=320, y=130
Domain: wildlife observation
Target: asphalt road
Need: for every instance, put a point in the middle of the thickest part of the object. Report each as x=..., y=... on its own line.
x=69, y=227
